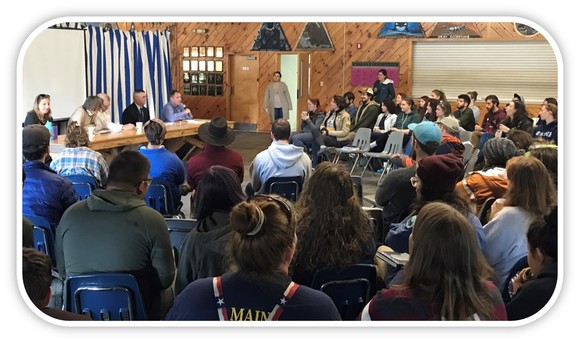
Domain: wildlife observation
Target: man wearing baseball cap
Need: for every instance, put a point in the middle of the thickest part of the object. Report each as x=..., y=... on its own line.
x=395, y=193
x=450, y=144
x=45, y=193
x=366, y=114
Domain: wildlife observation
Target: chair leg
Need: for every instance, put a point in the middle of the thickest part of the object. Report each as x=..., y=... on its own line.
x=354, y=164
x=385, y=166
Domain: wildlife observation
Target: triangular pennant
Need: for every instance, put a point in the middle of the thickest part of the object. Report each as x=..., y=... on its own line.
x=314, y=37
x=271, y=38
x=455, y=30
x=401, y=29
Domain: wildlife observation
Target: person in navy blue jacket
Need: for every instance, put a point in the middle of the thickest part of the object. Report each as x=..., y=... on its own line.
x=45, y=193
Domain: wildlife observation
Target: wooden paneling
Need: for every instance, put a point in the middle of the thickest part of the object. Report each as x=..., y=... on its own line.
x=330, y=70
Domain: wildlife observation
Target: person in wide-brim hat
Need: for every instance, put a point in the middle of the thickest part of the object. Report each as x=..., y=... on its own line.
x=217, y=132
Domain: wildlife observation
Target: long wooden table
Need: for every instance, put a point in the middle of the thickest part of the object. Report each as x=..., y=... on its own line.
x=178, y=133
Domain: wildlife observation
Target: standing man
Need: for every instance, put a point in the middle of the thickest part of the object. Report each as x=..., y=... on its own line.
x=280, y=159
x=114, y=231
x=366, y=114
x=464, y=113
x=136, y=112
x=175, y=110
x=277, y=100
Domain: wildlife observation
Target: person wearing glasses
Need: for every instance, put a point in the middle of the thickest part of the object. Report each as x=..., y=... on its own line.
x=40, y=113
x=258, y=288
x=115, y=231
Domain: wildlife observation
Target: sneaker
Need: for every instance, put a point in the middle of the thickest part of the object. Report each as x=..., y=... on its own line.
x=380, y=171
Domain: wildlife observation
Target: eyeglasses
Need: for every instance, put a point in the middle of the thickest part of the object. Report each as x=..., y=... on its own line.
x=147, y=181
x=282, y=204
x=414, y=181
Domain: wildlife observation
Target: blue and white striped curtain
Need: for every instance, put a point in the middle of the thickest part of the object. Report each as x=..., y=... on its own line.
x=118, y=62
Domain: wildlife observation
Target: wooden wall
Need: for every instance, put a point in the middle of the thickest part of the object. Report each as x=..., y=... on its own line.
x=332, y=68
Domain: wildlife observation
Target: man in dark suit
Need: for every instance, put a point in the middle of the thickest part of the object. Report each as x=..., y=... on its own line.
x=136, y=112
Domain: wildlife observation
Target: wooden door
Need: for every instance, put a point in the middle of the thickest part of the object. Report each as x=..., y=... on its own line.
x=244, y=89
x=303, y=84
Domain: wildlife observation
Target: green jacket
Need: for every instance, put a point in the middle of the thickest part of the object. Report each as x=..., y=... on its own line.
x=365, y=118
x=115, y=231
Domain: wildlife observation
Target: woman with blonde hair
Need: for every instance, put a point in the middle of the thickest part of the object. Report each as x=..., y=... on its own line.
x=446, y=277
x=41, y=112
x=333, y=230
x=259, y=288
x=526, y=199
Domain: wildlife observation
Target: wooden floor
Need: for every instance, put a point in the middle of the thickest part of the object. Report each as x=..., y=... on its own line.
x=249, y=144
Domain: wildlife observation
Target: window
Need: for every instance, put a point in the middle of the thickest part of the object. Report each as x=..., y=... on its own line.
x=501, y=68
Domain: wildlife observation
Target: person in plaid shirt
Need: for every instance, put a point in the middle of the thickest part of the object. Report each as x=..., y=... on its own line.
x=78, y=159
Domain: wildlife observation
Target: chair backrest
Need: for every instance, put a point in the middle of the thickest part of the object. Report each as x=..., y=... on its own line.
x=485, y=209
x=83, y=189
x=464, y=135
x=286, y=186
x=178, y=230
x=467, y=152
x=376, y=216
x=83, y=179
x=362, y=139
x=394, y=144
x=105, y=296
x=354, y=271
x=160, y=197
x=358, y=187
x=519, y=265
x=349, y=296
x=43, y=236
x=471, y=163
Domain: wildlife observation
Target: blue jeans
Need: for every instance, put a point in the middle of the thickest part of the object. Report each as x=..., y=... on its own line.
x=278, y=113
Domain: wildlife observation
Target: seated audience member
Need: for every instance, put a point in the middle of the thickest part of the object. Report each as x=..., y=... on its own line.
x=203, y=253
x=45, y=193
x=438, y=94
x=86, y=114
x=464, y=113
x=385, y=120
x=442, y=110
x=526, y=199
x=40, y=113
x=326, y=237
x=175, y=110
x=366, y=114
x=450, y=144
x=395, y=193
x=530, y=296
x=103, y=120
x=473, y=98
x=490, y=182
x=517, y=119
x=446, y=277
x=407, y=116
x=311, y=121
x=434, y=180
x=164, y=163
x=216, y=135
x=334, y=128
x=37, y=280
x=422, y=106
x=280, y=159
x=548, y=125
x=115, y=231
x=350, y=106
x=521, y=139
x=430, y=112
x=548, y=155
x=490, y=124
x=136, y=112
x=78, y=159
x=262, y=245
x=27, y=225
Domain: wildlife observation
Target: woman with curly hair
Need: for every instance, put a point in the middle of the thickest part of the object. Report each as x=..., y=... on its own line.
x=333, y=230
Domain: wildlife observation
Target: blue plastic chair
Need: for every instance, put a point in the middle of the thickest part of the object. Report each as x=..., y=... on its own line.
x=354, y=271
x=43, y=236
x=349, y=296
x=84, y=185
x=178, y=230
x=160, y=198
x=105, y=296
x=286, y=186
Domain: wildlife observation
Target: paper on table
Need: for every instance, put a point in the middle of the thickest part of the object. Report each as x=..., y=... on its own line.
x=196, y=121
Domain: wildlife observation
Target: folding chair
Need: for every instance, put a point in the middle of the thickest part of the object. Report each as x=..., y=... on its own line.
x=467, y=152
x=394, y=145
x=360, y=145
x=84, y=185
x=471, y=162
x=160, y=198
x=288, y=187
x=464, y=135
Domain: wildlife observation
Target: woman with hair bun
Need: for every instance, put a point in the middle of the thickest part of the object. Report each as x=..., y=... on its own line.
x=258, y=288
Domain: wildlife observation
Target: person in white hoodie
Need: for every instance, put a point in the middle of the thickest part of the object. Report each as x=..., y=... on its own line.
x=280, y=159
